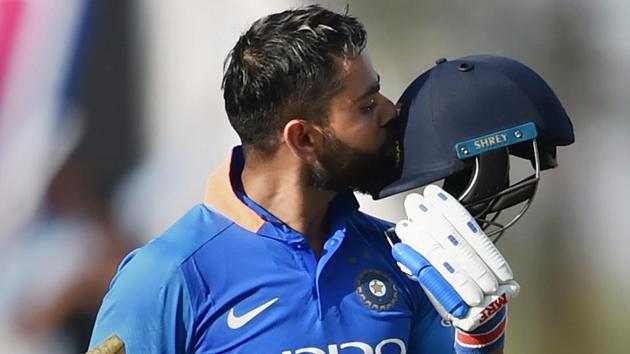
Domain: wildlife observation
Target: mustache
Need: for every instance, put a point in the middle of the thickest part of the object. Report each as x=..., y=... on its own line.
x=394, y=130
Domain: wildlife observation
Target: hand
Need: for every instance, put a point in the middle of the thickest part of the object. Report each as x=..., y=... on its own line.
x=463, y=273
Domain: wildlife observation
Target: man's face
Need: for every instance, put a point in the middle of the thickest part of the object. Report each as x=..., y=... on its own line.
x=360, y=150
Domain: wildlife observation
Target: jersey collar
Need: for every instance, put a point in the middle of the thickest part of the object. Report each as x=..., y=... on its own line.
x=224, y=194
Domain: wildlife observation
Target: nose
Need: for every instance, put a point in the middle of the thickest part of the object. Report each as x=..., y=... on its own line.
x=389, y=112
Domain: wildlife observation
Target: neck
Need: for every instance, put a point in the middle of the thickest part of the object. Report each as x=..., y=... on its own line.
x=280, y=188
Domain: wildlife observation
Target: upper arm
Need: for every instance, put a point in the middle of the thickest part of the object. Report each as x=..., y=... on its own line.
x=149, y=310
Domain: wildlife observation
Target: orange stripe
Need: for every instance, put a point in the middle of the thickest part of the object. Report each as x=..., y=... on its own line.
x=220, y=196
x=480, y=340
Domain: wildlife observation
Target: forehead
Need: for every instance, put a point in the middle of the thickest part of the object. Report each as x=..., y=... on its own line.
x=358, y=76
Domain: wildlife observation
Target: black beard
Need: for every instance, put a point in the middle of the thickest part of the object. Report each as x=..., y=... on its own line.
x=341, y=167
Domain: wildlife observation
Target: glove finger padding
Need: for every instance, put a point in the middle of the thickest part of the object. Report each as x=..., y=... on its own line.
x=430, y=220
x=464, y=285
x=468, y=228
x=463, y=273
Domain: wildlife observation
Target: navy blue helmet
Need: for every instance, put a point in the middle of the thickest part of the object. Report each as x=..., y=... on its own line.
x=462, y=120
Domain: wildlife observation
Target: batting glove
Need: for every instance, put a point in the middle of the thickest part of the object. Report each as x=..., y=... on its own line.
x=462, y=272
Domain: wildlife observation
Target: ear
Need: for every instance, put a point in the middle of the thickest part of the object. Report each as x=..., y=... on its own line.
x=303, y=139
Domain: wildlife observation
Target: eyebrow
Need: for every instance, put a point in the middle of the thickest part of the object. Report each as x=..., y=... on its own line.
x=372, y=90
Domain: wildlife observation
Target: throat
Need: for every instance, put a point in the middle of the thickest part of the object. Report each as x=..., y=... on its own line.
x=285, y=194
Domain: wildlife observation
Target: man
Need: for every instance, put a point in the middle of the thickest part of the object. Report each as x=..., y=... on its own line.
x=278, y=259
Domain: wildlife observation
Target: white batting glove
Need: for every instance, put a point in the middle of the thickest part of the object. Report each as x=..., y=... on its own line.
x=463, y=273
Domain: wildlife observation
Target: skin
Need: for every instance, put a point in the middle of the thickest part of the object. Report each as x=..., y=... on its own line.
x=357, y=116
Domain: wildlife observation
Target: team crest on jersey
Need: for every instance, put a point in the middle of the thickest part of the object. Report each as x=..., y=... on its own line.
x=376, y=290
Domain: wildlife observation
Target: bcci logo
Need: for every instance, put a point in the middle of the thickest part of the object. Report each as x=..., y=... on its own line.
x=376, y=290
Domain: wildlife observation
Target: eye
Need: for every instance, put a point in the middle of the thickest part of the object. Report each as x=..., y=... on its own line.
x=370, y=107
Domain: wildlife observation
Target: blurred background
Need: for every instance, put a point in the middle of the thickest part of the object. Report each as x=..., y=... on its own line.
x=111, y=118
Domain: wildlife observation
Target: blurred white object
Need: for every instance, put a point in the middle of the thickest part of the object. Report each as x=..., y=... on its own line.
x=51, y=254
x=187, y=130
x=37, y=128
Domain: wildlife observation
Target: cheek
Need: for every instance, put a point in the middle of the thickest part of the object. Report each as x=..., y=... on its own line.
x=365, y=137
x=359, y=131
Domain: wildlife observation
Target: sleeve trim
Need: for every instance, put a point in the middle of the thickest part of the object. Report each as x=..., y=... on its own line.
x=468, y=340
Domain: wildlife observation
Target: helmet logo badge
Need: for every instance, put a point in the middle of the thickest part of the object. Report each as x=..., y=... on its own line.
x=498, y=139
x=490, y=141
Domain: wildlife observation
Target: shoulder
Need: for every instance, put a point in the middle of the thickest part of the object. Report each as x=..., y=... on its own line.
x=159, y=259
x=371, y=227
x=149, y=302
x=376, y=222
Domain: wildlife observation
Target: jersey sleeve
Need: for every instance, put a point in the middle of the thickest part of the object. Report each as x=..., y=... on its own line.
x=429, y=335
x=148, y=306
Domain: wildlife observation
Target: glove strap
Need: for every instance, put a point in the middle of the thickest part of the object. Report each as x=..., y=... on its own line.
x=486, y=339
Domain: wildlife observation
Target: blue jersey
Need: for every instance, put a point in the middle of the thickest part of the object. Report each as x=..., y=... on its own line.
x=231, y=277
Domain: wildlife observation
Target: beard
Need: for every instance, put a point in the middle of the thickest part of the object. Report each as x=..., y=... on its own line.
x=343, y=168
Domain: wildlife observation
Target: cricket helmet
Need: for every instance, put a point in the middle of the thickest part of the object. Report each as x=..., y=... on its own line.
x=464, y=118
